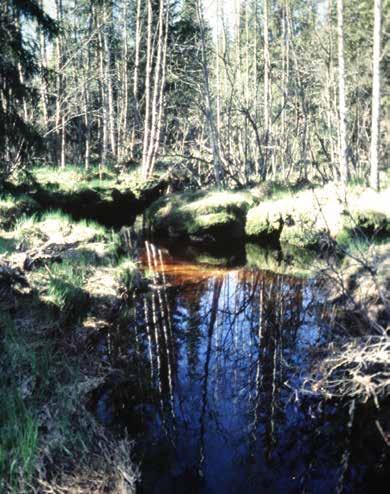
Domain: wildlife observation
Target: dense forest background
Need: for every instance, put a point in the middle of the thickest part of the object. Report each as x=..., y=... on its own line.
x=282, y=89
x=254, y=300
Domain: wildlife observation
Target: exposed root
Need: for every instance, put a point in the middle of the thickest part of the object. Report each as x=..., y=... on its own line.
x=358, y=370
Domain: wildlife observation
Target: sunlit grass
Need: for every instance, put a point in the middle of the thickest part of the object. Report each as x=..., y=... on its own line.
x=74, y=178
x=62, y=286
x=309, y=213
x=126, y=272
x=217, y=201
x=18, y=425
x=58, y=227
x=7, y=201
x=13, y=207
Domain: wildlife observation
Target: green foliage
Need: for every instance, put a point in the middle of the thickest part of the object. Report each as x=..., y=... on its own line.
x=17, y=66
x=13, y=207
x=65, y=291
x=18, y=425
x=127, y=274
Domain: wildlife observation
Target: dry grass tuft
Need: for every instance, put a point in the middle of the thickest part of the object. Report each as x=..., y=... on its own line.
x=359, y=370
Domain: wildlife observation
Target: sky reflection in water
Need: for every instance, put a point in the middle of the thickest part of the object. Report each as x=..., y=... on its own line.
x=215, y=357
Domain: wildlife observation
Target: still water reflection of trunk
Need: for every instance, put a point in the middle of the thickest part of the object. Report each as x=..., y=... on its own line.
x=213, y=357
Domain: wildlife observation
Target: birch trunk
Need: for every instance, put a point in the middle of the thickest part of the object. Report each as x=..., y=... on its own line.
x=60, y=89
x=376, y=98
x=156, y=83
x=161, y=94
x=103, y=95
x=108, y=75
x=135, y=78
x=266, y=90
x=208, y=100
x=147, y=90
x=342, y=105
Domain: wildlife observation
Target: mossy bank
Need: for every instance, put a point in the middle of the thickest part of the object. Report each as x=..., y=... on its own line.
x=98, y=194
x=200, y=216
x=315, y=219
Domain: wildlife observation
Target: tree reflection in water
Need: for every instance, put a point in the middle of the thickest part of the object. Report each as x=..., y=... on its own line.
x=207, y=355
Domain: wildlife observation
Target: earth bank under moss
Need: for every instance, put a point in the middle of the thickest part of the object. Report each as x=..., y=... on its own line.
x=112, y=201
x=309, y=219
x=200, y=216
x=316, y=219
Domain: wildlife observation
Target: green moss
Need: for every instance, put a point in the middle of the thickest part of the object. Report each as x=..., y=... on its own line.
x=212, y=215
x=368, y=221
x=264, y=221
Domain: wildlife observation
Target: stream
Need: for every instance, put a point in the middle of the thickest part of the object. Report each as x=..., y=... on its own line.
x=213, y=387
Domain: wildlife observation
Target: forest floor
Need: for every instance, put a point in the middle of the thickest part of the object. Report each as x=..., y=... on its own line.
x=63, y=283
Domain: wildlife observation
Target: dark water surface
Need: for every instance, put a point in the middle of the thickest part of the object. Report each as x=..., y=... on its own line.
x=213, y=362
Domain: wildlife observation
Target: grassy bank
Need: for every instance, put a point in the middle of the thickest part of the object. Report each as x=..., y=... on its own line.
x=101, y=194
x=309, y=218
x=58, y=281
x=313, y=218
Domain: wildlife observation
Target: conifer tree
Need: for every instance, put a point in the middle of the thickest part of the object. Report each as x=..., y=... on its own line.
x=18, y=65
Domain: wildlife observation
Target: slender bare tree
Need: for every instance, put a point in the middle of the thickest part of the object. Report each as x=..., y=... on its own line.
x=342, y=105
x=376, y=98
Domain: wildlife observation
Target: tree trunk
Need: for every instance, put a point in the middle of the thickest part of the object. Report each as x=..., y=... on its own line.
x=149, y=56
x=213, y=135
x=376, y=98
x=266, y=91
x=103, y=96
x=135, y=78
x=161, y=93
x=60, y=90
x=156, y=84
x=342, y=106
